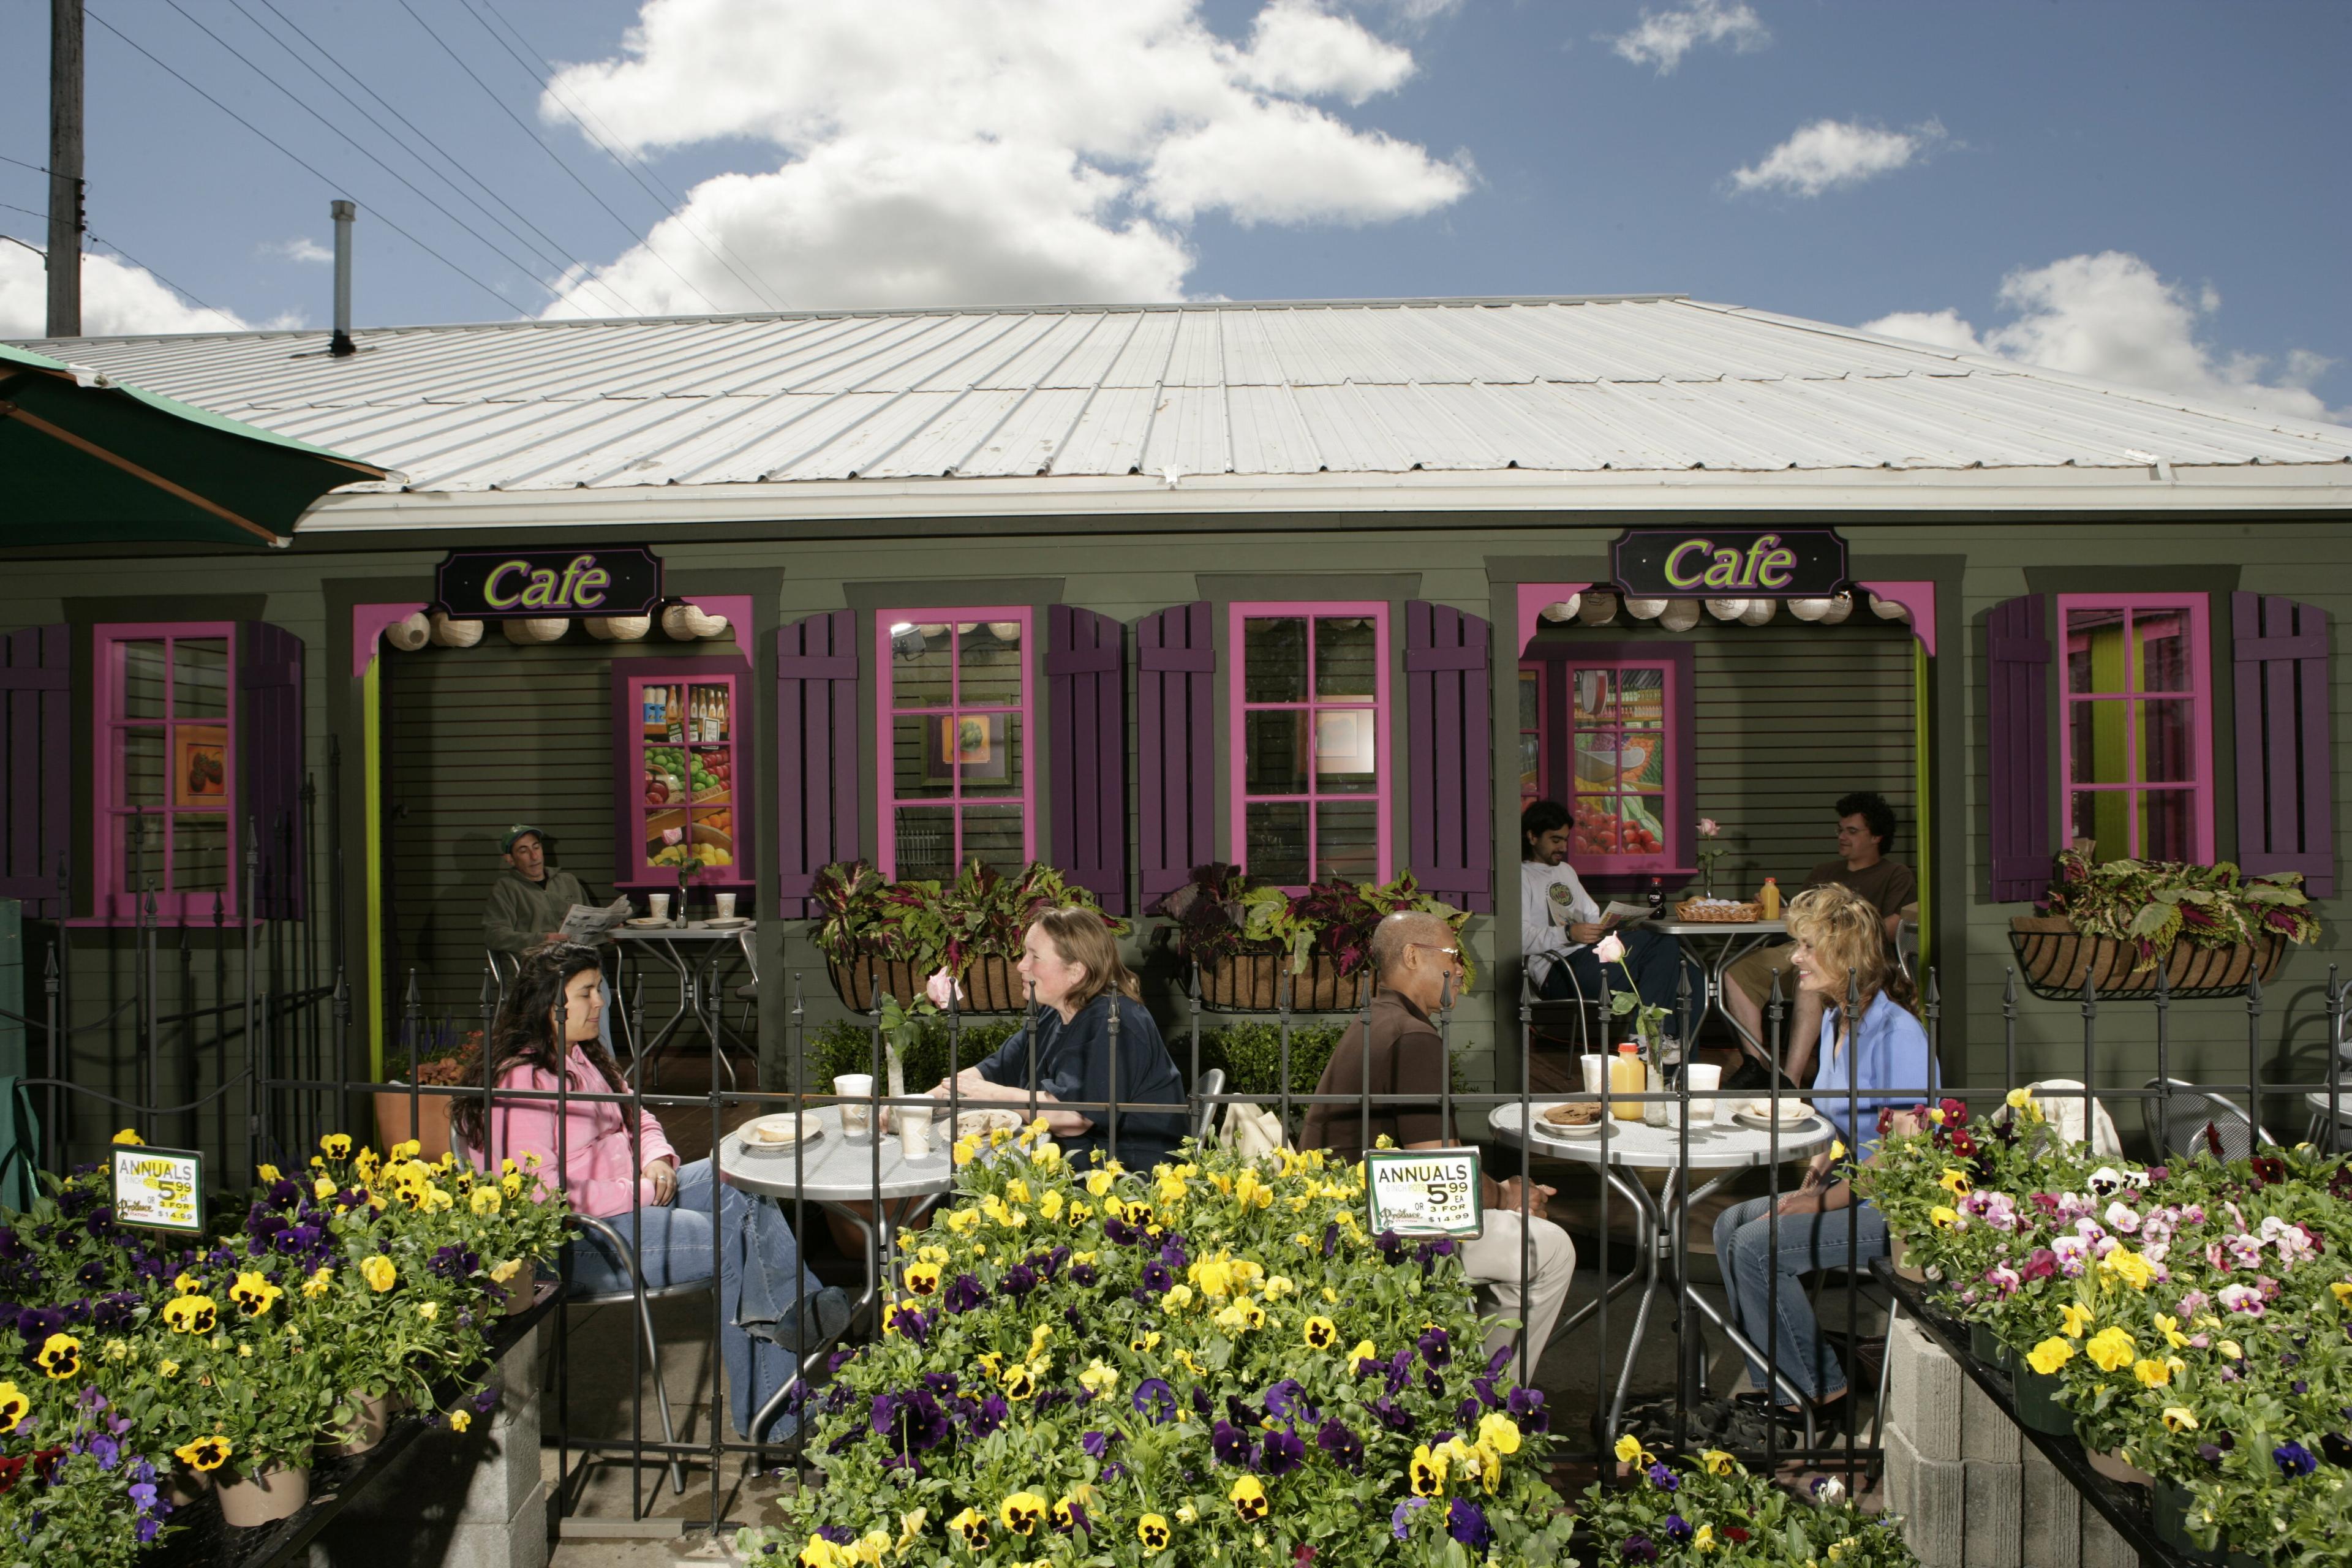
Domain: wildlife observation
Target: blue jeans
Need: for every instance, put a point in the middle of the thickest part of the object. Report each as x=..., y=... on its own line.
x=762, y=1282
x=1653, y=958
x=1743, y=1251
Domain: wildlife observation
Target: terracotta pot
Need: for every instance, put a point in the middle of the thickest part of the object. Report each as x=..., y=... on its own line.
x=2057, y=957
x=366, y=1428
x=430, y=1129
x=263, y=1499
x=990, y=984
x=1261, y=981
x=1896, y=1248
x=2115, y=1468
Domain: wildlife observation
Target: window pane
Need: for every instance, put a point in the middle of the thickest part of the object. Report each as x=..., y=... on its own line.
x=926, y=844
x=1608, y=761
x=922, y=756
x=1273, y=659
x=200, y=677
x=2163, y=639
x=2105, y=817
x=712, y=841
x=1530, y=700
x=2163, y=825
x=1276, y=832
x=918, y=664
x=1346, y=840
x=988, y=752
x=1613, y=825
x=665, y=782
x=2164, y=730
x=1277, y=759
x=199, y=852
x=662, y=713
x=1641, y=759
x=1595, y=695
x=1346, y=751
x=1345, y=659
x=139, y=767
x=142, y=852
x=1641, y=696
x=992, y=833
x=1530, y=769
x=143, y=674
x=2097, y=741
x=988, y=663
x=2095, y=650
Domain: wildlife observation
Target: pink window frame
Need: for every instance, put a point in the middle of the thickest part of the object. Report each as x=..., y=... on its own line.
x=1541, y=669
x=1677, y=856
x=1236, y=729
x=886, y=828
x=2200, y=708
x=114, y=901
x=630, y=869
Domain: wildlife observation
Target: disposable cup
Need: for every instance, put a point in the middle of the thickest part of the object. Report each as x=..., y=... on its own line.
x=1705, y=1079
x=1596, y=1072
x=725, y=903
x=856, y=1116
x=659, y=904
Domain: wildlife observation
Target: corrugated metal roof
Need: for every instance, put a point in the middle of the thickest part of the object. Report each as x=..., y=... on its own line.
x=1630, y=383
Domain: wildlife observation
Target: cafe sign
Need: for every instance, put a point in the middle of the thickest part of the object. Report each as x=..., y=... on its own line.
x=1729, y=562
x=508, y=585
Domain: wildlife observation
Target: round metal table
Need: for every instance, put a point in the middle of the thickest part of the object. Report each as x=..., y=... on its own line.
x=1724, y=1148
x=1722, y=943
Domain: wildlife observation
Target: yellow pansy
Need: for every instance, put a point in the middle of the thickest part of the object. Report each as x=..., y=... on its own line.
x=269, y=1172
x=459, y=1420
x=2073, y=1320
x=1943, y=1218
x=1021, y=1513
x=254, y=1294
x=1099, y=1378
x=923, y=1278
x=506, y=1271
x=1152, y=1531
x=1954, y=1181
x=2232, y=1349
x=378, y=1271
x=13, y=1405
x=1050, y=1206
x=322, y=1189
x=167, y=1368
x=1718, y=1462
x=484, y=1200
x=1249, y=1498
x=2170, y=1328
x=204, y=1453
x=1705, y=1540
x=961, y=1220
x=1320, y=1333
x=130, y=1135
x=970, y=1524
x=2179, y=1418
x=336, y=1145
x=1145, y=1342
x=1628, y=1451
x=318, y=1283
x=2129, y=1267
x=2048, y=1356
x=2111, y=1349
x=2152, y=1374
x=1499, y=1432
x=1099, y=1183
x=1362, y=1353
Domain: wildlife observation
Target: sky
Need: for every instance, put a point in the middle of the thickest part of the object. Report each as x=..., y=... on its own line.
x=2136, y=190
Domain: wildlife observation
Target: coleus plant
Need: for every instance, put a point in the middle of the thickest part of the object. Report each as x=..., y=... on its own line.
x=2153, y=903
x=931, y=923
x=1222, y=911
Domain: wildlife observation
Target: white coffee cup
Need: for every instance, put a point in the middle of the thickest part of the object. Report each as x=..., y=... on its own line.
x=659, y=904
x=1596, y=1072
x=1705, y=1079
x=726, y=904
x=855, y=1089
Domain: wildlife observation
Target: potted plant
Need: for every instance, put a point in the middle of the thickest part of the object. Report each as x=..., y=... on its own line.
x=1259, y=948
x=2208, y=929
x=888, y=937
x=449, y=1060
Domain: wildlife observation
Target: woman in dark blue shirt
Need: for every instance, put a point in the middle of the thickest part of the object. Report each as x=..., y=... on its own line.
x=1073, y=966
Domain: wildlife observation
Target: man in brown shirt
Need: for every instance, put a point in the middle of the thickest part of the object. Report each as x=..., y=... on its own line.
x=1865, y=836
x=1417, y=971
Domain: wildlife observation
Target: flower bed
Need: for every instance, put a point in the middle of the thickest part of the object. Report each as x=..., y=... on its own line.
x=1712, y=1510
x=2190, y=1321
x=136, y=1360
x=1211, y=1363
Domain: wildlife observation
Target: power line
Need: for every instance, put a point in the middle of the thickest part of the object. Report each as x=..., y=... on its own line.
x=118, y=250
x=553, y=251
x=26, y=211
x=647, y=240
x=304, y=163
x=668, y=200
x=36, y=168
x=288, y=94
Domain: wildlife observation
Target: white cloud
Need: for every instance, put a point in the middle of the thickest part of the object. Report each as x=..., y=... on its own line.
x=1663, y=37
x=2110, y=317
x=958, y=152
x=116, y=297
x=1830, y=153
x=302, y=248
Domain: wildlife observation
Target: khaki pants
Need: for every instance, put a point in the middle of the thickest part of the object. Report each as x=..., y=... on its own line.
x=1752, y=971
x=1493, y=1263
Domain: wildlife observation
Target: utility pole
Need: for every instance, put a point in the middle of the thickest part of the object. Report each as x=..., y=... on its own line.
x=65, y=169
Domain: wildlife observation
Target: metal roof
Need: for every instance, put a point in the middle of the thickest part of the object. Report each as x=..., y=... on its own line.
x=1274, y=394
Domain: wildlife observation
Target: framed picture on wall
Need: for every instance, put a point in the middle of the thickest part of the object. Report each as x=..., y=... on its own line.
x=973, y=742
x=199, y=764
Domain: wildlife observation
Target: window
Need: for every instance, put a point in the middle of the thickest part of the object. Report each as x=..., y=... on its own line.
x=2136, y=739
x=166, y=771
x=1610, y=738
x=681, y=754
x=954, y=731
x=1309, y=755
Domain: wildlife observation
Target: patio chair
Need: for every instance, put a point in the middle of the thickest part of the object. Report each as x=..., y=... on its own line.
x=503, y=968
x=639, y=1295
x=1204, y=1102
x=1548, y=1014
x=2177, y=1126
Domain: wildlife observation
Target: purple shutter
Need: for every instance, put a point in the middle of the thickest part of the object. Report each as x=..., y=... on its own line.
x=1450, y=749
x=1085, y=698
x=2286, y=815
x=2017, y=712
x=270, y=760
x=817, y=753
x=35, y=764
x=1175, y=746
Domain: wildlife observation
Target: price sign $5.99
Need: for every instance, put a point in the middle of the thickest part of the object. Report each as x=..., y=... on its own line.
x=1424, y=1192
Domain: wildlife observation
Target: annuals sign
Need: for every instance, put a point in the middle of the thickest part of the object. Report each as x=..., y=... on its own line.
x=1729, y=563
x=161, y=1188
x=1424, y=1192
x=508, y=585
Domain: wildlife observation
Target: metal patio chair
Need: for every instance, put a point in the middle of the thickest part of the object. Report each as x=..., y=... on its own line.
x=2178, y=1126
x=1204, y=1102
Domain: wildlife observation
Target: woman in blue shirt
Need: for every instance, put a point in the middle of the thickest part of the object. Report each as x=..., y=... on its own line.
x=1073, y=968
x=1878, y=1058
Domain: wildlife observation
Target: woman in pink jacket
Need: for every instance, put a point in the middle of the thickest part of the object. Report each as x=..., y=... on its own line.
x=628, y=1176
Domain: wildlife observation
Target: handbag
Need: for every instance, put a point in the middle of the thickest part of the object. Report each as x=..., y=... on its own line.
x=1251, y=1130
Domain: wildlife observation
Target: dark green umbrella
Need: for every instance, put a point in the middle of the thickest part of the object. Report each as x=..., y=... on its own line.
x=86, y=460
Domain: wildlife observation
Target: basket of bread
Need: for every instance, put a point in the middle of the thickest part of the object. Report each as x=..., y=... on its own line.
x=1728, y=910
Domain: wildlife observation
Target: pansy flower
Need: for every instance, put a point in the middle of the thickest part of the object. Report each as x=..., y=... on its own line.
x=204, y=1453
x=1248, y=1498
x=1152, y=1531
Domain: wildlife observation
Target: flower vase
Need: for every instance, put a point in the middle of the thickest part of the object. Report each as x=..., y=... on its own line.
x=263, y=1497
x=1658, y=1113
x=896, y=1070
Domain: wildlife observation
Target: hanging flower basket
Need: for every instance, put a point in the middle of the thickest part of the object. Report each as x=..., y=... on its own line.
x=1261, y=981
x=991, y=984
x=2054, y=959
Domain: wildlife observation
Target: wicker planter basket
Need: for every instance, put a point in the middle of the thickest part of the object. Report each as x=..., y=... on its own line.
x=2054, y=959
x=990, y=984
x=1262, y=982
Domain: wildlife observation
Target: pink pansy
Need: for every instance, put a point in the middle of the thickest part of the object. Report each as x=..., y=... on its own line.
x=2193, y=1304
x=2192, y=1214
x=2244, y=1299
x=2003, y=1278
x=2243, y=1252
x=2121, y=1218
x=2070, y=1252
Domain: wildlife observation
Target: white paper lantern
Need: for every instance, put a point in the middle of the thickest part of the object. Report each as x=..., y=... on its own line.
x=1840, y=607
x=1005, y=631
x=1759, y=612
x=1680, y=614
x=1561, y=609
x=1645, y=609
x=618, y=628
x=1727, y=609
x=536, y=630
x=687, y=622
x=409, y=633
x=447, y=633
x=1596, y=608
x=1889, y=609
x=1809, y=609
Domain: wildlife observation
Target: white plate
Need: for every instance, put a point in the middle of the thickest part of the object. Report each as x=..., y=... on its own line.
x=981, y=1123
x=1555, y=1130
x=1764, y=1123
x=810, y=1129
x=729, y=922
x=642, y=921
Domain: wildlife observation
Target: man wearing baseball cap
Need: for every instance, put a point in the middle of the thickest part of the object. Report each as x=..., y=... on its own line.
x=531, y=898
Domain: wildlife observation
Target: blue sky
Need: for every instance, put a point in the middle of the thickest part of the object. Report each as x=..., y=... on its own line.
x=2156, y=185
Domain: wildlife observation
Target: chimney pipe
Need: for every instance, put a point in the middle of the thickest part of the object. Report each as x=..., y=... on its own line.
x=339, y=345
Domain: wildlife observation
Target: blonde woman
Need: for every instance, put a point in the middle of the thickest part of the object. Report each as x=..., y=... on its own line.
x=1880, y=1055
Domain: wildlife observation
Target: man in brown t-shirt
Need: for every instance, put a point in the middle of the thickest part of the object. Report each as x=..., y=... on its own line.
x=1417, y=969
x=1866, y=833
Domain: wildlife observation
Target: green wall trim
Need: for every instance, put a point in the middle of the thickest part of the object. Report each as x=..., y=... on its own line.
x=948, y=593
x=1222, y=588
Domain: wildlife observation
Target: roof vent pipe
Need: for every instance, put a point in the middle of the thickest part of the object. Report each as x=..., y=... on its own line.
x=339, y=345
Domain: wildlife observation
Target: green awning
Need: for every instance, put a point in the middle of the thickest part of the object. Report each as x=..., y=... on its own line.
x=85, y=460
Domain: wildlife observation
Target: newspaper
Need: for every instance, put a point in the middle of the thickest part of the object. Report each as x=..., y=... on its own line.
x=585, y=922
x=1564, y=914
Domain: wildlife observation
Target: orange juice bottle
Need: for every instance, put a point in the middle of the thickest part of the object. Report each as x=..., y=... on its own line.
x=1769, y=900
x=1627, y=1076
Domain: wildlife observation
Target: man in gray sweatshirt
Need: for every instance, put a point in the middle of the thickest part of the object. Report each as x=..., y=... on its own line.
x=528, y=902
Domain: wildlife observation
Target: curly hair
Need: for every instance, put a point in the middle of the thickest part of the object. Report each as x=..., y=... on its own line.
x=526, y=1030
x=1846, y=931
